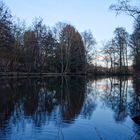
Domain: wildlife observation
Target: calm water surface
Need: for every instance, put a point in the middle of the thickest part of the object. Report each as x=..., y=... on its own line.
x=70, y=108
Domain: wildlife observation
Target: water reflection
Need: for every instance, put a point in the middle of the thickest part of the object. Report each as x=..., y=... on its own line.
x=60, y=107
x=115, y=97
x=41, y=98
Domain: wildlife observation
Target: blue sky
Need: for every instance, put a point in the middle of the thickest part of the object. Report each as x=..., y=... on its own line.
x=83, y=14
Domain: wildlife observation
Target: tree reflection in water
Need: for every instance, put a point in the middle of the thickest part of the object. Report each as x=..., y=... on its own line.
x=61, y=100
x=41, y=100
x=115, y=97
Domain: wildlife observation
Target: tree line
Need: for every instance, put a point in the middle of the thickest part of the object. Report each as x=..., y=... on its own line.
x=121, y=54
x=126, y=46
x=63, y=49
x=116, y=52
x=39, y=48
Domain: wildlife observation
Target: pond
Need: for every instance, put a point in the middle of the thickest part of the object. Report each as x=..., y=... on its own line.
x=70, y=108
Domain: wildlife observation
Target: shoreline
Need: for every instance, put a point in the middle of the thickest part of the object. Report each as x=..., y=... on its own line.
x=20, y=74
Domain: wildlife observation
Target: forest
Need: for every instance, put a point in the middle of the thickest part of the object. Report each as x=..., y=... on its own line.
x=62, y=49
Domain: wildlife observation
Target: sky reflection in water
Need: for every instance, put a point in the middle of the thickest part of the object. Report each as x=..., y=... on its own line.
x=69, y=108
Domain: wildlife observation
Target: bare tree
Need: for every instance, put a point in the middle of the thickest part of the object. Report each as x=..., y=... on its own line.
x=121, y=41
x=73, y=50
x=124, y=6
x=89, y=43
x=109, y=51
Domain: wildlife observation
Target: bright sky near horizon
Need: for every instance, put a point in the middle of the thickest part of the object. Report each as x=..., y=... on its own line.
x=83, y=14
